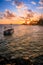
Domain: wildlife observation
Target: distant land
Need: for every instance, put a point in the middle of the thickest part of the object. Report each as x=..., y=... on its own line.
x=40, y=22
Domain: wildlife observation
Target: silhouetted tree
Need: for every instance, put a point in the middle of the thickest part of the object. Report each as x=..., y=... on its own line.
x=40, y=22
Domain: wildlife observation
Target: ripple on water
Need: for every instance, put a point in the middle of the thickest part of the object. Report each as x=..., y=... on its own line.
x=26, y=41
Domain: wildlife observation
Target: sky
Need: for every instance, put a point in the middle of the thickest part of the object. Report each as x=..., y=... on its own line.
x=16, y=11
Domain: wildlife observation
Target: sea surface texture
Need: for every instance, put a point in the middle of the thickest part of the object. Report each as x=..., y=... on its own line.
x=26, y=41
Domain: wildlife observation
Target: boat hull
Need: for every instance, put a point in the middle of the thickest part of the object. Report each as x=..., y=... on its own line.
x=8, y=32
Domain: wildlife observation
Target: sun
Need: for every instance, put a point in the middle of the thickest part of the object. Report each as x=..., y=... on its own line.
x=28, y=22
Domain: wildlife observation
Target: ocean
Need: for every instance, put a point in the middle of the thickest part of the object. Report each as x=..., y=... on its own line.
x=27, y=40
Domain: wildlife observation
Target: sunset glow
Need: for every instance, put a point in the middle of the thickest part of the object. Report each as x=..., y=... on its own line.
x=17, y=11
x=28, y=22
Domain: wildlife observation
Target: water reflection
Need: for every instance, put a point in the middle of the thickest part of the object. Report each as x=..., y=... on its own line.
x=26, y=40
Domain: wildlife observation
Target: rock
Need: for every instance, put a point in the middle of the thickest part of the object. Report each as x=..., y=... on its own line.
x=21, y=61
x=38, y=60
x=15, y=61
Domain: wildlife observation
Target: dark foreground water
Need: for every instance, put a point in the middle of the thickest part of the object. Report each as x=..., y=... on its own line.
x=26, y=41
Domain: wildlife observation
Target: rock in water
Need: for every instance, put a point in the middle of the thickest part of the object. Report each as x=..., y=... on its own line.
x=21, y=61
x=38, y=60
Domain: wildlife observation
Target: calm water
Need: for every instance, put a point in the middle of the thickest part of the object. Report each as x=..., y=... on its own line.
x=26, y=41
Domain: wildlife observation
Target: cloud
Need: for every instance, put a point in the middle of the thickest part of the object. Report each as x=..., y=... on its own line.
x=18, y=4
x=1, y=15
x=40, y=7
x=21, y=8
x=42, y=16
x=34, y=3
x=21, y=5
x=27, y=13
x=41, y=2
x=35, y=17
x=30, y=15
x=8, y=14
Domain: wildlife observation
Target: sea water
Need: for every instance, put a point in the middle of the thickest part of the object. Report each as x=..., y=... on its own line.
x=27, y=40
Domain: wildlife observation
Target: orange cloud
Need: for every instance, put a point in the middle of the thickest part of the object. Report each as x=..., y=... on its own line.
x=9, y=17
x=13, y=21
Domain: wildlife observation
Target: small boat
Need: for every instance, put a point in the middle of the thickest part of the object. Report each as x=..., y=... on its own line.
x=8, y=32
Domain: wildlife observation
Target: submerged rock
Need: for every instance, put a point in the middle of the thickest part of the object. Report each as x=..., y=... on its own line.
x=15, y=61
x=38, y=60
x=21, y=61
